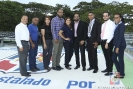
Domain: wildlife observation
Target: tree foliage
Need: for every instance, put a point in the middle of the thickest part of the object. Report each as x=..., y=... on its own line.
x=11, y=12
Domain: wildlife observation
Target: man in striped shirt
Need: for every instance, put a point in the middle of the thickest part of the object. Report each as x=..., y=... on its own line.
x=56, y=25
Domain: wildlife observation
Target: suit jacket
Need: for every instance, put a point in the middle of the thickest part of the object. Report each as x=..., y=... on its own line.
x=81, y=31
x=96, y=31
x=119, y=39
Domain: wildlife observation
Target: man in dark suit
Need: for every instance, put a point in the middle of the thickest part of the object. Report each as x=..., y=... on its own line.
x=119, y=45
x=93, y=39
x=79, y=40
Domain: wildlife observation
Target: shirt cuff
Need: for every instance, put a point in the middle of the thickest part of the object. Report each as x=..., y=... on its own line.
x=20, y=46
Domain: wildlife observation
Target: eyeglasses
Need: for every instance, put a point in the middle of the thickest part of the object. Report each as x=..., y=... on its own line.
x=60, y=12
x=116, y=17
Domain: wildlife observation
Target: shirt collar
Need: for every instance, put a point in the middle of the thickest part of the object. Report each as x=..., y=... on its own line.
x=59, y=17
x=23, y=24
x=118, y=23
x=76, y=22
x=92, y=20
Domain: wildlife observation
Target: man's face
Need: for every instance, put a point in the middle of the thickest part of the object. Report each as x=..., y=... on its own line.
x=91, y=16
x=105, y=16
x=76, y=17
x=60, y=13
x=35, y=21
x=24, y=19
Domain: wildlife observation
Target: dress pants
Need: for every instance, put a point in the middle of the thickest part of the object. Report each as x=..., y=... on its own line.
x=23, y=57
x=32, y=55
x=108, y=54
x=47, y=53
x=57, y=53
x=68, y=52
x=92, y=54
x=82, y=50
x=119, y=64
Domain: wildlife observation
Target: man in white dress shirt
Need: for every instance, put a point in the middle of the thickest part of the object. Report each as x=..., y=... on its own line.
x=107, y=33
x=22, y=41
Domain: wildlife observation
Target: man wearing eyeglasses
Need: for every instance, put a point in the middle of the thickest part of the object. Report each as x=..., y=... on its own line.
x=107, y=33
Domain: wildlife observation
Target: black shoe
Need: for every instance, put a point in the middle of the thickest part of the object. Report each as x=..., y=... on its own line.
x=119, y=77
x=28, y=72
x=68, y=68
x=95, y=71
x=33, y=70
x=84, y=69
x=55, y=68
x=37, y=69
x=48, y=69
x=27, y=75
x=107, y=74
x=90, y=69
x=60, y=67
x=104, y=71
x=77, y=67
x=69, y=64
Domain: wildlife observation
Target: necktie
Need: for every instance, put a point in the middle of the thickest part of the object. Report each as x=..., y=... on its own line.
x=89, y=29
x=103, y=30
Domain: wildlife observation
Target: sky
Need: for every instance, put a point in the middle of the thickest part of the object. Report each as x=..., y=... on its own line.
x=70, y=3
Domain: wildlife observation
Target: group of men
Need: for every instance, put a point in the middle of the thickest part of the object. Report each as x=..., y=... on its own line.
x=92, y=32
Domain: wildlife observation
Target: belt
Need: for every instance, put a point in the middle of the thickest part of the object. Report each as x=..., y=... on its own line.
x=103, y=39
x=24, y=41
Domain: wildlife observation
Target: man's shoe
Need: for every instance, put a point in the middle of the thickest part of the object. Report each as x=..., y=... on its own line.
x=77, y=67
x=27, y=75
x=33, y=70
x=60, y=67
x=69, y=64
x=37, y=69
x=95, y=71
x=55, y=68
x=104, y=71
x=107, y=74
x=84, y=69
x=28, y=72
x=90, y=69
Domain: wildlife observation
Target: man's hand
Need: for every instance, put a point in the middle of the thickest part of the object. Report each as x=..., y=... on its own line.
x=106, y=46
x=33, y=45
x=56, y=41
x=117, y=50
x=21, y=49
x=45, y=46
x=95, y=45
x=81, y=42
x=67, y=39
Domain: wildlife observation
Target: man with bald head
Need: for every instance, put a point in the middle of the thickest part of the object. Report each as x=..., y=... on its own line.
x=22, y=41
x=33, y=30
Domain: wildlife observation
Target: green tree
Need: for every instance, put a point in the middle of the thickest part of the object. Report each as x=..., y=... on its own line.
x=10, y=15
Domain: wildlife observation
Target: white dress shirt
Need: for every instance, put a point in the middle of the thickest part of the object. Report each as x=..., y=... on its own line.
x=21, y=33
x=90, y=27
x=109, y=30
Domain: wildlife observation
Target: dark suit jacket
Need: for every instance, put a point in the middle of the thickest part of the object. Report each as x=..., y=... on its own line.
x=81, y=31
x=119, y=39
x=96, y=31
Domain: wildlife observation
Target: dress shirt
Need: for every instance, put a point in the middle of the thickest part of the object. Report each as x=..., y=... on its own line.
x=109, y=30
x=56, y=25
x=75, y=28
x=90, y=27
x=21, y=33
